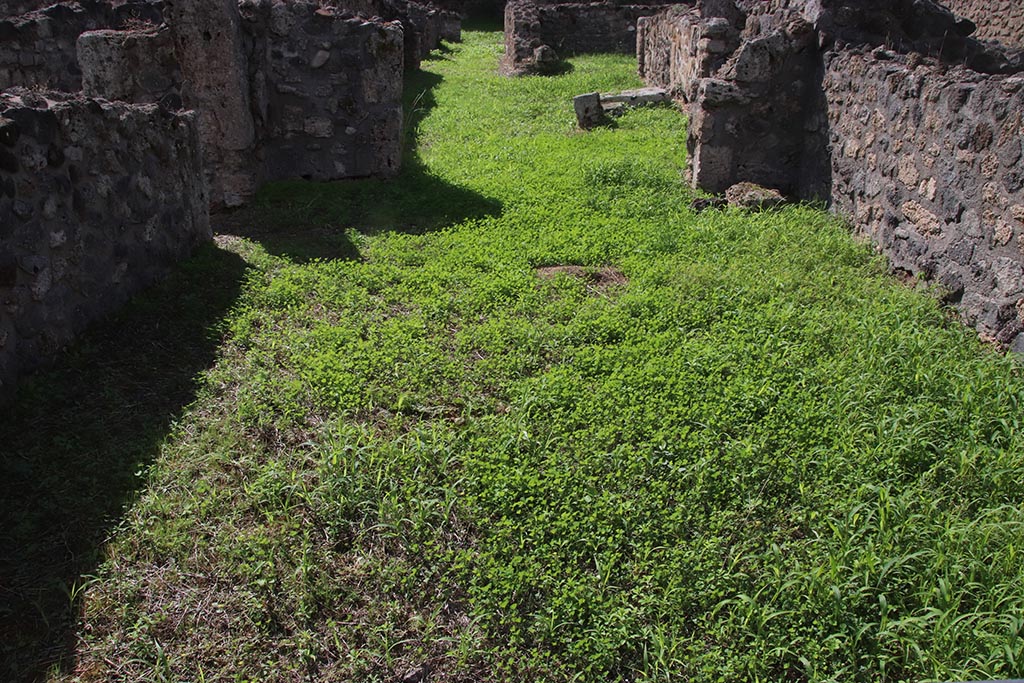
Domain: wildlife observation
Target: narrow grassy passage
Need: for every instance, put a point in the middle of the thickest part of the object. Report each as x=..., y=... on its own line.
x=522, y=415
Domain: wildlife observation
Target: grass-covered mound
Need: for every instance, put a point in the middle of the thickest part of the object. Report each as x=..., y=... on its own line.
x=521, y=415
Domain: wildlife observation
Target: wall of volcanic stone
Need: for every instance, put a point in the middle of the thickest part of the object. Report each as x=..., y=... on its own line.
x=568, y=28
x=97, y=200
x=423, y=25
x=927, y=161
x=38, y=49
x=1001, y=20
x=283, y=90
x=13, y=8
x=327, y=91
x=677, y=47
x=131, y=66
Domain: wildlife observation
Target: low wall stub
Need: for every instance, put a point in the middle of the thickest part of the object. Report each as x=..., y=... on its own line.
x=97, y=201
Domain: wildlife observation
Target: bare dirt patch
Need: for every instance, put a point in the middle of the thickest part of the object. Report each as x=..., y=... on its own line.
x=596, y=278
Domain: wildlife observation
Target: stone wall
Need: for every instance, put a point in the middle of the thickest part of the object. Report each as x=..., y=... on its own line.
x=13, y=8
x=306, y=91
x=536, y=32
x=735, y=130
x=327, y=91
x=751, y=85
x=208, y=44
x=927, y=161
x=423, y=25
x=38, y=49
x=130, y=66
x=97, y=200
x=1001, y=20
x=887, y=109
x=680, y=45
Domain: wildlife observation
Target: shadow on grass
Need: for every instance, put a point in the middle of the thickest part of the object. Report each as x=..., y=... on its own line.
x=75, y=441
x=78, y=437
x=302, y=220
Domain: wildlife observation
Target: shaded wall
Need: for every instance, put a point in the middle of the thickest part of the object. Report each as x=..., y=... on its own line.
x=130, y=66
x=327, y=92
x=13, y=8
x=303, y=90
x=423, y=25
x=97, y=200
x=38, y=49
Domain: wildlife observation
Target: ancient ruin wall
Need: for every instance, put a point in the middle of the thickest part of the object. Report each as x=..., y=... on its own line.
x=677, y=47
x=97, y=200
x=38, y=49
x=327, y=92
x=208, y=45
x=307, y=92
x=423, y=25
x=668, y=51
x=1000, y=20
x=747, y=118
x=130, y=66
x=928, y=162
x=13, y=8
x=570, y=28
x=922, y=153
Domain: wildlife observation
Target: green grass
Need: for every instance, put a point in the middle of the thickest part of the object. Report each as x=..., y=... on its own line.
x=746, y=454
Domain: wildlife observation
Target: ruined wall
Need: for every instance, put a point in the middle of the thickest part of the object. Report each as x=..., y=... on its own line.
x=751, y=91
x=97, y=199
x=327, y=91
x=757, y=107
x=208, y=46
x=423, y=25
x=130, y=66
x=533, y=30
x=928, y=163
x=13, y=8
x=878, y=113
x=38, y=49
x=1001, y=20
x=678, y=46
x=284, y=90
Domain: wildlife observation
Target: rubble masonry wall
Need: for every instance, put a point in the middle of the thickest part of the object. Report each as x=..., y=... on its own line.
x=568, y=28
x=927, y=161
x=327, y=91
x=97, y=200
x=38, y=49
x=920, y=152
x=13, y=8
x=1000, y=20
x=302, y=91
x=423, y=25
x=136, y=66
